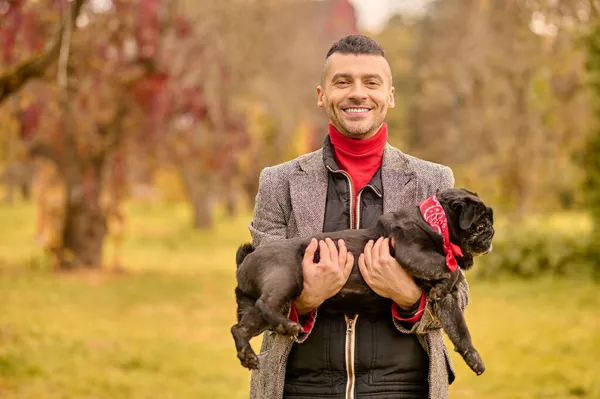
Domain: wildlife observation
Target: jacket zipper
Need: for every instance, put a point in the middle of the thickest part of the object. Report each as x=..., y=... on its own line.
x=351, y=322
x=350, y=349
x=352, y=222
x=358, y=202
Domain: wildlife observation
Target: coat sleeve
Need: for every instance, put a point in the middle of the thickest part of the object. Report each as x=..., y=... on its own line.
x=269, y=221
x=429, y=320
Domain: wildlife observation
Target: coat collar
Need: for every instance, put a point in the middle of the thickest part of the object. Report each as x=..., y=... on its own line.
x=308, y=187
x=308, y=193
x=397, y=175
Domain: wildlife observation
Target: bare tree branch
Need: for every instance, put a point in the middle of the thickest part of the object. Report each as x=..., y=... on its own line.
x=35, y=66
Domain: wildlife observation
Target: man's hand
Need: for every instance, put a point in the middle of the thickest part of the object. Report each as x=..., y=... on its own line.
x=324, y=279
x=386, y=276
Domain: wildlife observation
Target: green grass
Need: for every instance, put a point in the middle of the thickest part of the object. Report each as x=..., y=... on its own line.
x=161, y=329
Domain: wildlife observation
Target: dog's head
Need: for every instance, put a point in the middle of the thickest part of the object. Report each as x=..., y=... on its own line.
x=470, y=221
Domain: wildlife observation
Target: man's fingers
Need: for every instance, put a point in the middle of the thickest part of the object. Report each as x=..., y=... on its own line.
x=309, y=252
x=384, y=248
x=367, y=253
x=343, y=253
x=324, y=252
x=376, y=249
x=333, y=252
x=348, y=266
x=364, y=270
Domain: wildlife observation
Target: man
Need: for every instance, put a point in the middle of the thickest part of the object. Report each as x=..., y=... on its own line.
x=397, y=352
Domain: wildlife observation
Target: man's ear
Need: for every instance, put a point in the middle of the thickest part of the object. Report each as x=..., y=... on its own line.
x=470, y=212
x=392, y=100
x=320, y=94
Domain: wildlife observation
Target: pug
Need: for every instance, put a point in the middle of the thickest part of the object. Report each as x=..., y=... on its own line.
x=434, y=242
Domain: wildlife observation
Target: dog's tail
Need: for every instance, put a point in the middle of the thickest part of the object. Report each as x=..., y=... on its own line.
x=243, y=251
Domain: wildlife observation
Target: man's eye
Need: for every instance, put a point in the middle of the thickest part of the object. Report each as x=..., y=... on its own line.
x=342, y=82
x=373, y=83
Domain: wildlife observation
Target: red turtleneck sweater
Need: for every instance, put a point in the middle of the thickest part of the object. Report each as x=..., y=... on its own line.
x=360, y=159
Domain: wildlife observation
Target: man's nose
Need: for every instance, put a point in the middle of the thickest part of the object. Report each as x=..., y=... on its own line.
x=358, y=92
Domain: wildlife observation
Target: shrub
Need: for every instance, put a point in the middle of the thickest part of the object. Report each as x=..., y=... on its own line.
x=530, y=250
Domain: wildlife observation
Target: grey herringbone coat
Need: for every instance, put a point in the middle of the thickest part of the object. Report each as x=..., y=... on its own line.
x=291, y=202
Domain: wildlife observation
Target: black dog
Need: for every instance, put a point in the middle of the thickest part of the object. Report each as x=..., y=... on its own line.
x=270, y=276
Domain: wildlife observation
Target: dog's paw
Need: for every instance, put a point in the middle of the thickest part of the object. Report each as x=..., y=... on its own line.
x=437, y=294
x=474, y=361
x=290, y=329
x=248, y=358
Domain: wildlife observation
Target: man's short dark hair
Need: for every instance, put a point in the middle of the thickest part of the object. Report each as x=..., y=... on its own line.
x=356, y=45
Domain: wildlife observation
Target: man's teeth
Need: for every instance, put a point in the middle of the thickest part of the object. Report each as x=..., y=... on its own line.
x=357, y=110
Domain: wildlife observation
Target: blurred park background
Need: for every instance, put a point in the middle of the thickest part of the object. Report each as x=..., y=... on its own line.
x=132, y=133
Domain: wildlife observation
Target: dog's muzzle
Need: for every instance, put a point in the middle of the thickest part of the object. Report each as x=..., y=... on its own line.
x=486, y=252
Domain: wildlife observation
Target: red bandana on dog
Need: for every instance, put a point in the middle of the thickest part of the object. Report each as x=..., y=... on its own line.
x=434, y=215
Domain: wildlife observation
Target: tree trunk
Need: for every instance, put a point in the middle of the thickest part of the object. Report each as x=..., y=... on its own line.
x=231, y=195
x=202, y=207
x=84, y=224
x=200, y=193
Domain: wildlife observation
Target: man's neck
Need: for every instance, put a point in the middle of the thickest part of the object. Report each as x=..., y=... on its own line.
x=353, y=147
x=367, y=136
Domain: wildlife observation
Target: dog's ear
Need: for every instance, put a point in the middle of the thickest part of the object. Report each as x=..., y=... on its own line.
x=386, y=223
x=470, y=212
x=470, y=192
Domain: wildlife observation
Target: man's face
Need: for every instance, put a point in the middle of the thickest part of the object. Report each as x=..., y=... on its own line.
x=356, y=93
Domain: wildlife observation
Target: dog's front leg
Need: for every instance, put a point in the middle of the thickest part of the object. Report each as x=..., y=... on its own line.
x=454, y=323
x=443, y=287
x=421, y=263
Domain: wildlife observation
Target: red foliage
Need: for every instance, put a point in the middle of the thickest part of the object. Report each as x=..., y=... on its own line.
x=31, y=33
x=182, y=27
x=151, y=93
x=193, y=102
x=30, y=118
x=9, y=27
x=148, y=28
x=20, y=24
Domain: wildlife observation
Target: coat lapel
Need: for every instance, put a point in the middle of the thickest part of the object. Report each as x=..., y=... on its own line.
x=399, y=182
x=308, y=193
x=308, y=188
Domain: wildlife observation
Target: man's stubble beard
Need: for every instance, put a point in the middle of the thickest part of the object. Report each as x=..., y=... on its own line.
x=360, y=131
x=355, y=132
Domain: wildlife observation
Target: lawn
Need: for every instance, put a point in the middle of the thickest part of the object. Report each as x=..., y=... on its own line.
x=161, y=328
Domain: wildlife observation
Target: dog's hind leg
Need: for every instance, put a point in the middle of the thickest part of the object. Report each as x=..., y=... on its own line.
x=250, y=324
x=272, y=314
x=454, y=323
x=277, y=292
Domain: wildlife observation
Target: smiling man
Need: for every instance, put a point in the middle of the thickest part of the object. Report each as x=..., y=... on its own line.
x=356, y=91
x=394, y=352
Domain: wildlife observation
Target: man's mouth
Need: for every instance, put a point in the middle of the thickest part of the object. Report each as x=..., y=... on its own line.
x=356, y=110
